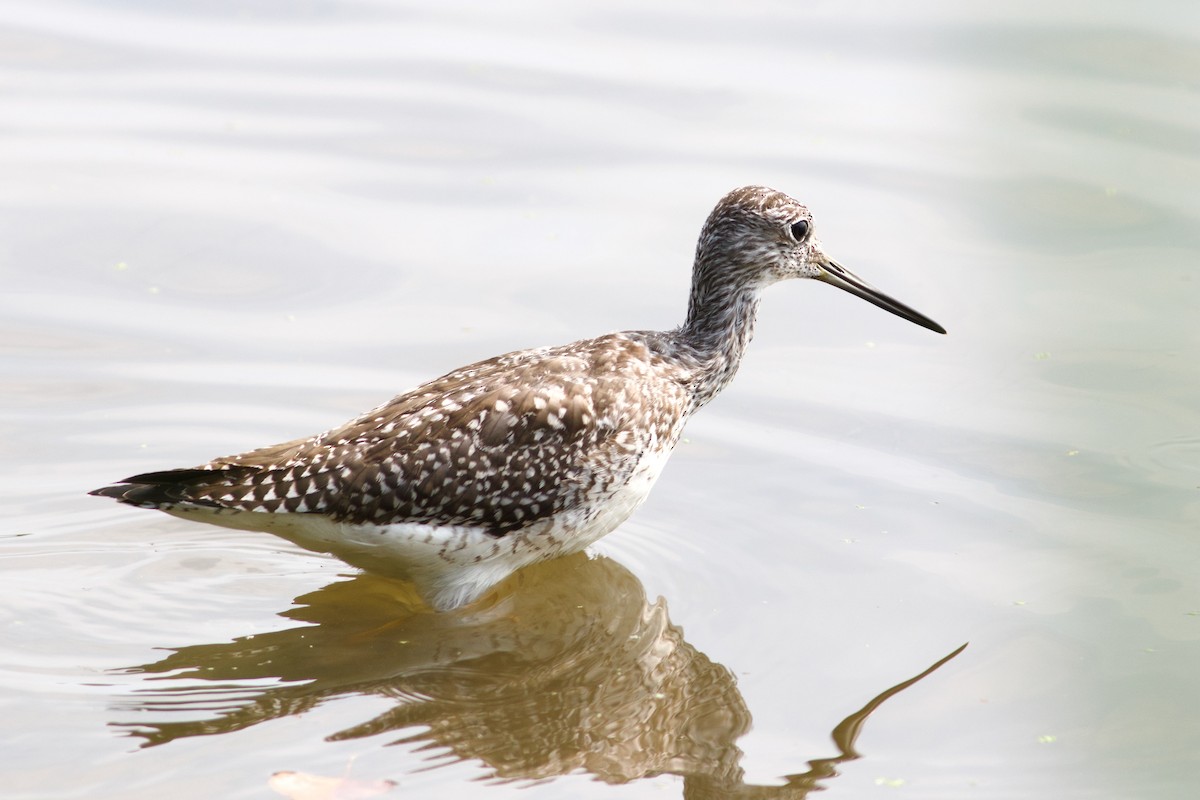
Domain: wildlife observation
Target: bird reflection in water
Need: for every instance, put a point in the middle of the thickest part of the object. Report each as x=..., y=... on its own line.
x=565, y=667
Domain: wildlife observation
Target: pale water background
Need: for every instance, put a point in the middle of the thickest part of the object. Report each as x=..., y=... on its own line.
x=227, y=224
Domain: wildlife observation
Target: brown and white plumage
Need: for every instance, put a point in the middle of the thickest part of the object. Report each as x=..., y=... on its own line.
x=521, y=457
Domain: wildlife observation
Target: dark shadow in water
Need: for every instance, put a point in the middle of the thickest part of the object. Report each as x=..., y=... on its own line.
x=565, y=667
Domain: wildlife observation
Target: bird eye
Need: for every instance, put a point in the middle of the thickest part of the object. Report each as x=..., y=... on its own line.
x=800, y=230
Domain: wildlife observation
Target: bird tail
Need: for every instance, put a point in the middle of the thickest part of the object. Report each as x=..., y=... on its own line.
x=172, y=487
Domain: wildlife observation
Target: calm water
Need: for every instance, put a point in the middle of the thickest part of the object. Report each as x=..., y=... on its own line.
x=228, y=224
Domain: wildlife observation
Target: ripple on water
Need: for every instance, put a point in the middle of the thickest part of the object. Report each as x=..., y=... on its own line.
x=1177, y=455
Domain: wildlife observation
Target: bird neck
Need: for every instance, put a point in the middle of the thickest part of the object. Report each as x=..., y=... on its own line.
x=719, y=326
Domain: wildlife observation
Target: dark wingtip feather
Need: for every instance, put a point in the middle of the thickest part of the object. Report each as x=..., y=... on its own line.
x=116, y=491
x=166, y=488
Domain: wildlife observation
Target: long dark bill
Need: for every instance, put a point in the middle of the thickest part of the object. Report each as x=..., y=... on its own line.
x=835, y=274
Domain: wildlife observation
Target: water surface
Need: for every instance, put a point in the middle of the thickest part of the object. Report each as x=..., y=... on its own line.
x=231, y=224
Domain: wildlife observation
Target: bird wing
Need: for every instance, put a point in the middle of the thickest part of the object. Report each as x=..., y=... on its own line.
x=498, y=444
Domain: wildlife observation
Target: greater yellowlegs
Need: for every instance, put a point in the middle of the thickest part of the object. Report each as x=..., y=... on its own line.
x=523, y=457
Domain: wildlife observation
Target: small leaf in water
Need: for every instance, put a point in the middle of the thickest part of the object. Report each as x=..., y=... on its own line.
x=302, y=786
x=1047, y=739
